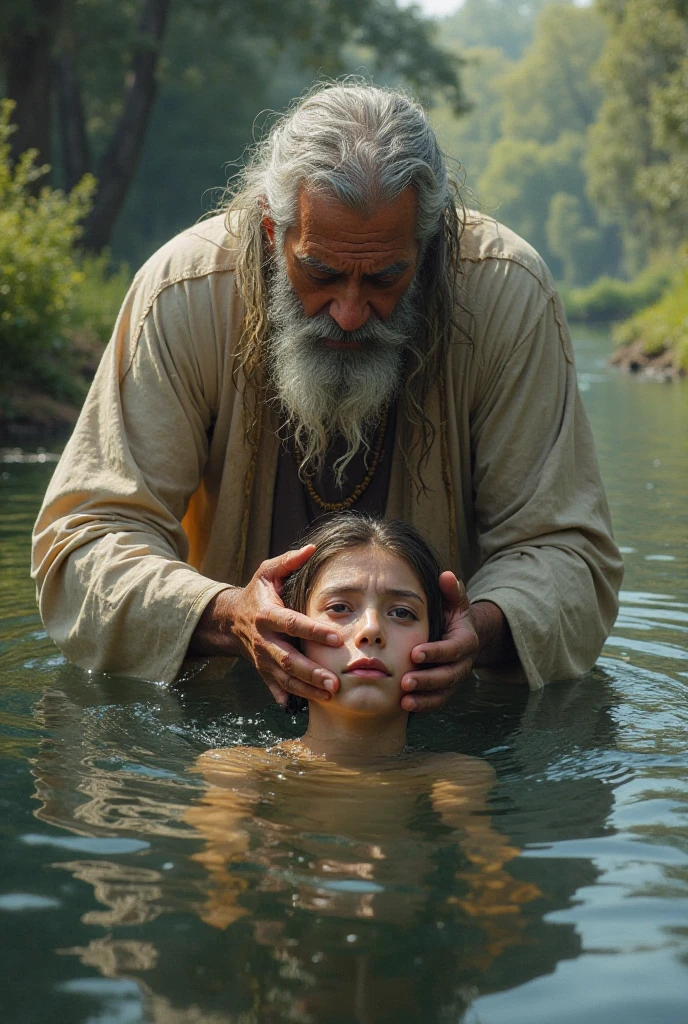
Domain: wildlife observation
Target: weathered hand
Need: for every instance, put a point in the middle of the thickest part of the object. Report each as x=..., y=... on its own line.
x=252, y=622
x=450, y=659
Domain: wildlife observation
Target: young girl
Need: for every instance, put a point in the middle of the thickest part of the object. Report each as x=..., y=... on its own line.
x=376, y=581
x=344, y=822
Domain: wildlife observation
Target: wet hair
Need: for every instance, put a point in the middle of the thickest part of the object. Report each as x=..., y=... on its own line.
x=344, y=531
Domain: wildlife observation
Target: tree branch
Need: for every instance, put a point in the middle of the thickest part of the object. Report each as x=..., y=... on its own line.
x=118, y=163
x=76, y=155
x=26, y=53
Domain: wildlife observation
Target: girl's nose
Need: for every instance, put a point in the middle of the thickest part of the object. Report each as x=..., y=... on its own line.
x=370, y=630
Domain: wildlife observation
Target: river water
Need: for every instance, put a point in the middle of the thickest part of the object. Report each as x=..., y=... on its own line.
x=135, y=889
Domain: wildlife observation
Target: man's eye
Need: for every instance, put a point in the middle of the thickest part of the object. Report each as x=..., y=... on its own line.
x=321, y=278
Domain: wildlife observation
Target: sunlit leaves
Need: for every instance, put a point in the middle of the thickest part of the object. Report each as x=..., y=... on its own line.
x=636, y=162
x=38, y=273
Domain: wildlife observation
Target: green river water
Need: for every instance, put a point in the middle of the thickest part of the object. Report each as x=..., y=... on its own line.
x=132, y=891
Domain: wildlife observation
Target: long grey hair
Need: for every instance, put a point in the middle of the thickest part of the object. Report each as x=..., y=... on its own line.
x=362, y=145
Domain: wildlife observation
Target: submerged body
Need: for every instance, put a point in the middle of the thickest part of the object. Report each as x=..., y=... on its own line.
x=354, y=852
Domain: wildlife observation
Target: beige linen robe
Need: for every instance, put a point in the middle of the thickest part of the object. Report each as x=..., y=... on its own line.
x=159, y=502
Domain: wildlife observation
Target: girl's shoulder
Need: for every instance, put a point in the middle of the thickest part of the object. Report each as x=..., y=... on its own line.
x=238, y=767
x=460, y=769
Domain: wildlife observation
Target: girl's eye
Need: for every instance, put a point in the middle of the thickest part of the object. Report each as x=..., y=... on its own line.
x=338, y=608
x=403, y=613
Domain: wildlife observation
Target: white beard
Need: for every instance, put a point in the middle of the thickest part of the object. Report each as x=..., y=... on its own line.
x=325, y=392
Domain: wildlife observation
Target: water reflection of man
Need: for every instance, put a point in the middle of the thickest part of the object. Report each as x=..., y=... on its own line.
x=416, y=359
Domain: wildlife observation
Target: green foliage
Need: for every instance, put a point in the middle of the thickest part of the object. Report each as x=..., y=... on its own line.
x=38, y=271
x=507, y=25
x=221, y=65
x=662, y=326
x=665, y=183
x=640, y=119
x=611, y=299
x=523, y=186
x=98, y=297
x=533, y=171
x=550, y=89
x=582, y=247
x=470, y=138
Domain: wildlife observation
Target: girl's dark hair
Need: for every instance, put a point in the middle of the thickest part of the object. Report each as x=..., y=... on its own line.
x=342, y=531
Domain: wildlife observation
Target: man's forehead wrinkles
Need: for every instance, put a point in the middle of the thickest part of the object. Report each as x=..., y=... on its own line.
x=335, y=252
x=354, y=238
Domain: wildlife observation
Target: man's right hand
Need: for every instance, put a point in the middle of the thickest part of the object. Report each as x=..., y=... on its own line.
x=252, y=622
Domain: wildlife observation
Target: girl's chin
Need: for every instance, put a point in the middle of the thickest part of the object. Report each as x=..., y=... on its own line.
x=367, y=700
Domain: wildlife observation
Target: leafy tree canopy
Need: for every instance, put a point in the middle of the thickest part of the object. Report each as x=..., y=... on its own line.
x=636, y=160
x=552, y=87
x=507, y=25
x=213, y=63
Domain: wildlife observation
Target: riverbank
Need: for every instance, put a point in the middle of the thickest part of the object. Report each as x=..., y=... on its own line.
x=48, y=402
x=655, y=340
x=35, y=415
x=633, y=358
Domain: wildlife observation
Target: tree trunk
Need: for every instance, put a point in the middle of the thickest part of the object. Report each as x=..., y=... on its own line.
x=26, y=52
x=76, y=155
x=118, y=164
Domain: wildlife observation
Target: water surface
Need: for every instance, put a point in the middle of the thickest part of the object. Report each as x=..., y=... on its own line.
x=131, y=889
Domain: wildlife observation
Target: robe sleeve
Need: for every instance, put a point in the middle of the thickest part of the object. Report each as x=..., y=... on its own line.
x=114, y=590
x=547, y=555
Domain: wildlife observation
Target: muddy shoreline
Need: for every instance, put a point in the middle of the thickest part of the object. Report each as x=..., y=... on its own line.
x=659, y=366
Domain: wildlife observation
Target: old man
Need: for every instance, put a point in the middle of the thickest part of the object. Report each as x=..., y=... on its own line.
x=342, y=335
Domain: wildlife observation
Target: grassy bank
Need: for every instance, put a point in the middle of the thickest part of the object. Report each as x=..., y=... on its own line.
x=608, y=299
x=658, y=335
x=649, y=316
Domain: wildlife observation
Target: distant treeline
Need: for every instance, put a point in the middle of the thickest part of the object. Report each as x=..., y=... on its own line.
x=578, y=136
x=570, y=124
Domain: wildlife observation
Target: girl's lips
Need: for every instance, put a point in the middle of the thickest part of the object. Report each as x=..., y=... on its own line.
x=367, y=668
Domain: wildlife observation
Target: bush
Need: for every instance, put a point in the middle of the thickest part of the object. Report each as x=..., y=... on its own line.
x=39, y=272
x=98, y=296
x=611, y=299
x=662, y=326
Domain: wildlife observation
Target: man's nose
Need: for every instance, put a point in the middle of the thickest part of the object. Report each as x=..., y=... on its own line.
x=349, y=307
x=370, y=631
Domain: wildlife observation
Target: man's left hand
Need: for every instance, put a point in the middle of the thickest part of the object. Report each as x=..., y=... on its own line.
x=449, y=660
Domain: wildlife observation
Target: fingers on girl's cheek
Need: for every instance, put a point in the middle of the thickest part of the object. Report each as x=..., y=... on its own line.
x=322, y=678
x=409, y=703
x=301, y=689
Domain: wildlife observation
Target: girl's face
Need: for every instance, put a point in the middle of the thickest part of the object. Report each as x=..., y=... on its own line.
x=376, y=602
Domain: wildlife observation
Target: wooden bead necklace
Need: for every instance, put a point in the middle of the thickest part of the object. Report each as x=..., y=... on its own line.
x=359, y=489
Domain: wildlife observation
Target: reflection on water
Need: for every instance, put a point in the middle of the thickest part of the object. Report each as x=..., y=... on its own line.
x=158, y=870
x=331, y=873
